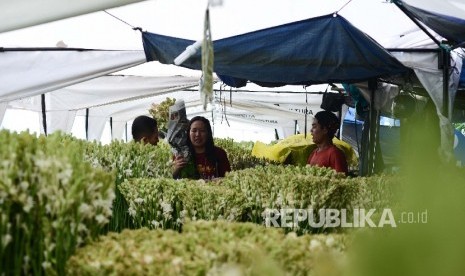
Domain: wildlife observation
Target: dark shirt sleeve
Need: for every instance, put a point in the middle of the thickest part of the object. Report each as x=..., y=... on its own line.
x=223, y=162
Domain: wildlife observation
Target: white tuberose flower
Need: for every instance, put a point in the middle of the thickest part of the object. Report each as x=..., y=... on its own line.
x=166, y=207
x=155, y=223
x=101, y=219
x=132, y=212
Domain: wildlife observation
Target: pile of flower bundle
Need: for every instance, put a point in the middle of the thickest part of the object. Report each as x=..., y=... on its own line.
x=136, y=160
x=128, y=160
x=51, y=202
x=131, y=160
x=273, y=190
x=167, y=203
x=211, y=248
x=240, y=154
x=254, y=195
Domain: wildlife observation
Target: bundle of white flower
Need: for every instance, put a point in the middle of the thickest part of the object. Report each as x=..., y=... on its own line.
x=270, y=190
x=161, y=113
x=212, y=248
x=51, y=202
x=127, y=161
x=167, y=203
x=277, y=187
x=131, y=160
x=240, y=154
x=256, y=195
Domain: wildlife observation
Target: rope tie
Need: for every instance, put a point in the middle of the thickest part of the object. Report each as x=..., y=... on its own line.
x=134, y=28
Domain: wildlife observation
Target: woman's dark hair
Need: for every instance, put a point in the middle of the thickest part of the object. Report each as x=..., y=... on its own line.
x=143, y=126
x=327, y=119
x=209, y=144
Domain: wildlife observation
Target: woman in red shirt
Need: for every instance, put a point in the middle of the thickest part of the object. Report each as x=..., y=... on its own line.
x=209, y=160
x=324, y=127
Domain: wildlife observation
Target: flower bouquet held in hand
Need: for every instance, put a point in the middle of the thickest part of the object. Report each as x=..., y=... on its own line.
x=177, y=136
x=160, y=112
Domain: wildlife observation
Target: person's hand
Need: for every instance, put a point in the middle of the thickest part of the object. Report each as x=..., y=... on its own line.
x=179, y=163
x=216, y=179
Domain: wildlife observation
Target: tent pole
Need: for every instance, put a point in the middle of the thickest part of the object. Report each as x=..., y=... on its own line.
x=372, y=84
x=126, y=131
x=305, y=125
x=368, y=135
x=87, y=124
x=306, y=115
x=111, y=128
x=363, y=162
x=339, y=115
x=445, y=82
x=44, y=113
x=213, y=124
x=260, y=91
x=378, y=162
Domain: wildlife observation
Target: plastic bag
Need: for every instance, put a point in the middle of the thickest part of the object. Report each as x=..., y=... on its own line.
x=295, y=150
x=177, y=136
x=177, y=129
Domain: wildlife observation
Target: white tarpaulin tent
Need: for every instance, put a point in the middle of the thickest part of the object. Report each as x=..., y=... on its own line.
x=244, y=109
x=34, y=12
x=61, y=105
x=251, y=112
x=29, y=73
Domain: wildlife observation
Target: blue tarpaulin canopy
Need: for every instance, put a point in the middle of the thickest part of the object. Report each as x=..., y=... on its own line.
x=450, y=27
x=313, y=51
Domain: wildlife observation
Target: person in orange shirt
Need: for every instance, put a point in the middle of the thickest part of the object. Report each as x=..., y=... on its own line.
x=324, y=127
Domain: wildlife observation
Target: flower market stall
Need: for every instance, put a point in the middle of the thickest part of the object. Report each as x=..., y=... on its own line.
x=72, y=206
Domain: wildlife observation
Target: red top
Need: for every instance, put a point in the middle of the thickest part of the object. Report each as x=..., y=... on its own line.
x=331, y=157
x=208, y=170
